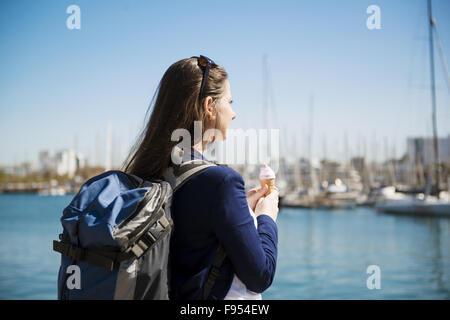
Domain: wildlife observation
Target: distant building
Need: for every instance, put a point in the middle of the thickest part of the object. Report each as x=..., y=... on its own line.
x=47, y=160
x=421, y=150
x=65, y=162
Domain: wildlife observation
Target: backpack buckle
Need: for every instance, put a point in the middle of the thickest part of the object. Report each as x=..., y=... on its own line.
x=74, y=253
x=145, y=241
x=215, y=272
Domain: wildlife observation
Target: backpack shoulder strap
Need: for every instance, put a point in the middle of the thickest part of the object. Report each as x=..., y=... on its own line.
x=178, y=175
x=214, y=272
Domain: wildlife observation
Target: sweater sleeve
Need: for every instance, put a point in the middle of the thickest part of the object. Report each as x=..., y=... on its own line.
x=253, y=253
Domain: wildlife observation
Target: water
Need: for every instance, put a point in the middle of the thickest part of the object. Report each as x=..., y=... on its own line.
x=28, y=266
x=322, y=254
x=325, y=255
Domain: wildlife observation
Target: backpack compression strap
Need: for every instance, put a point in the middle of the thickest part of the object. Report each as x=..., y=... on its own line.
x=102, y=259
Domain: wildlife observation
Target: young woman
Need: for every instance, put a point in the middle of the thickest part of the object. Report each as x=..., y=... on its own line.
x=212, y=208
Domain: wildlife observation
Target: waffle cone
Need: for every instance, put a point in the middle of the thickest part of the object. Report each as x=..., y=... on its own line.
x=270, y=185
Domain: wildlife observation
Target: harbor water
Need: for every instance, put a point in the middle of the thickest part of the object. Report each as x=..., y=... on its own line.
x=323, y=254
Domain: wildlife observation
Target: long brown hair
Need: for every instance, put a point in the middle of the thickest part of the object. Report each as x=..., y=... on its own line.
x=177, y=106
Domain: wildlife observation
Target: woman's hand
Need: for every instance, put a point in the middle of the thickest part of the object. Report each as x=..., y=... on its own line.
x=254, y=195
x=268, y=205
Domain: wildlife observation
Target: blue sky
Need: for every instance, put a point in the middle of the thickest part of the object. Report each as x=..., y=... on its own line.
x=60, y=87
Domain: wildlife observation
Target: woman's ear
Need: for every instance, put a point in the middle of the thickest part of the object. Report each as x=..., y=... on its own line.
x=208, y=108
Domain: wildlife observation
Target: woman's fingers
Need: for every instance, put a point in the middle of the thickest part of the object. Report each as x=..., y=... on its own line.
x=262, y=190
x=259, y=201
x=257, y=192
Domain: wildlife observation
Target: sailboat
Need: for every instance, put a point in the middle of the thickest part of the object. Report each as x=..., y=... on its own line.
x=425, y=204
x=337, y=195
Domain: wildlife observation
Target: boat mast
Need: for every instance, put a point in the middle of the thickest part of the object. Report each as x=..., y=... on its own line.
x=433, y=99
x=265, y=92
x=312, y=171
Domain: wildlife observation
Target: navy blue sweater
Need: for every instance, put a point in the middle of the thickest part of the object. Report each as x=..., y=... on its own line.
x=212, y=208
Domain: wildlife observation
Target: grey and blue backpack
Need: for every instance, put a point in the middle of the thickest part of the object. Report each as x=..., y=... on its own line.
x=116, y=237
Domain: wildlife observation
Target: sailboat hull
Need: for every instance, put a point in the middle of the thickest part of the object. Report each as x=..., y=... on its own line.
x=415, y=208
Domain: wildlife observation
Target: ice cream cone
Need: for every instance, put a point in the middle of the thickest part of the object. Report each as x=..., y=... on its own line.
x=267, y=177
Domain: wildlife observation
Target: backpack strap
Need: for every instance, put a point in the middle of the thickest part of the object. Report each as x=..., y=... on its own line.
x=106, y=260
x=178, y=175
x=188, y=171
x=214, y=272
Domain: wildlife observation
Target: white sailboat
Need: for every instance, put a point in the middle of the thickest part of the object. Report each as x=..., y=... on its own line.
x=382, y=195
x=337, y=196
x=417, y=206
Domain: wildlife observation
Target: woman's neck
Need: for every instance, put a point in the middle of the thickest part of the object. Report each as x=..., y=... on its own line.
x=200, y=147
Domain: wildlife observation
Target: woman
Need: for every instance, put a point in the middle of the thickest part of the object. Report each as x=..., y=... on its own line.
x=211, y=208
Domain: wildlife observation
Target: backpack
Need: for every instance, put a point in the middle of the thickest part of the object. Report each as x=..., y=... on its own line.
x=116, y=237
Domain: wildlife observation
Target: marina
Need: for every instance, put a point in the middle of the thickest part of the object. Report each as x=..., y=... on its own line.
x=417, y=184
